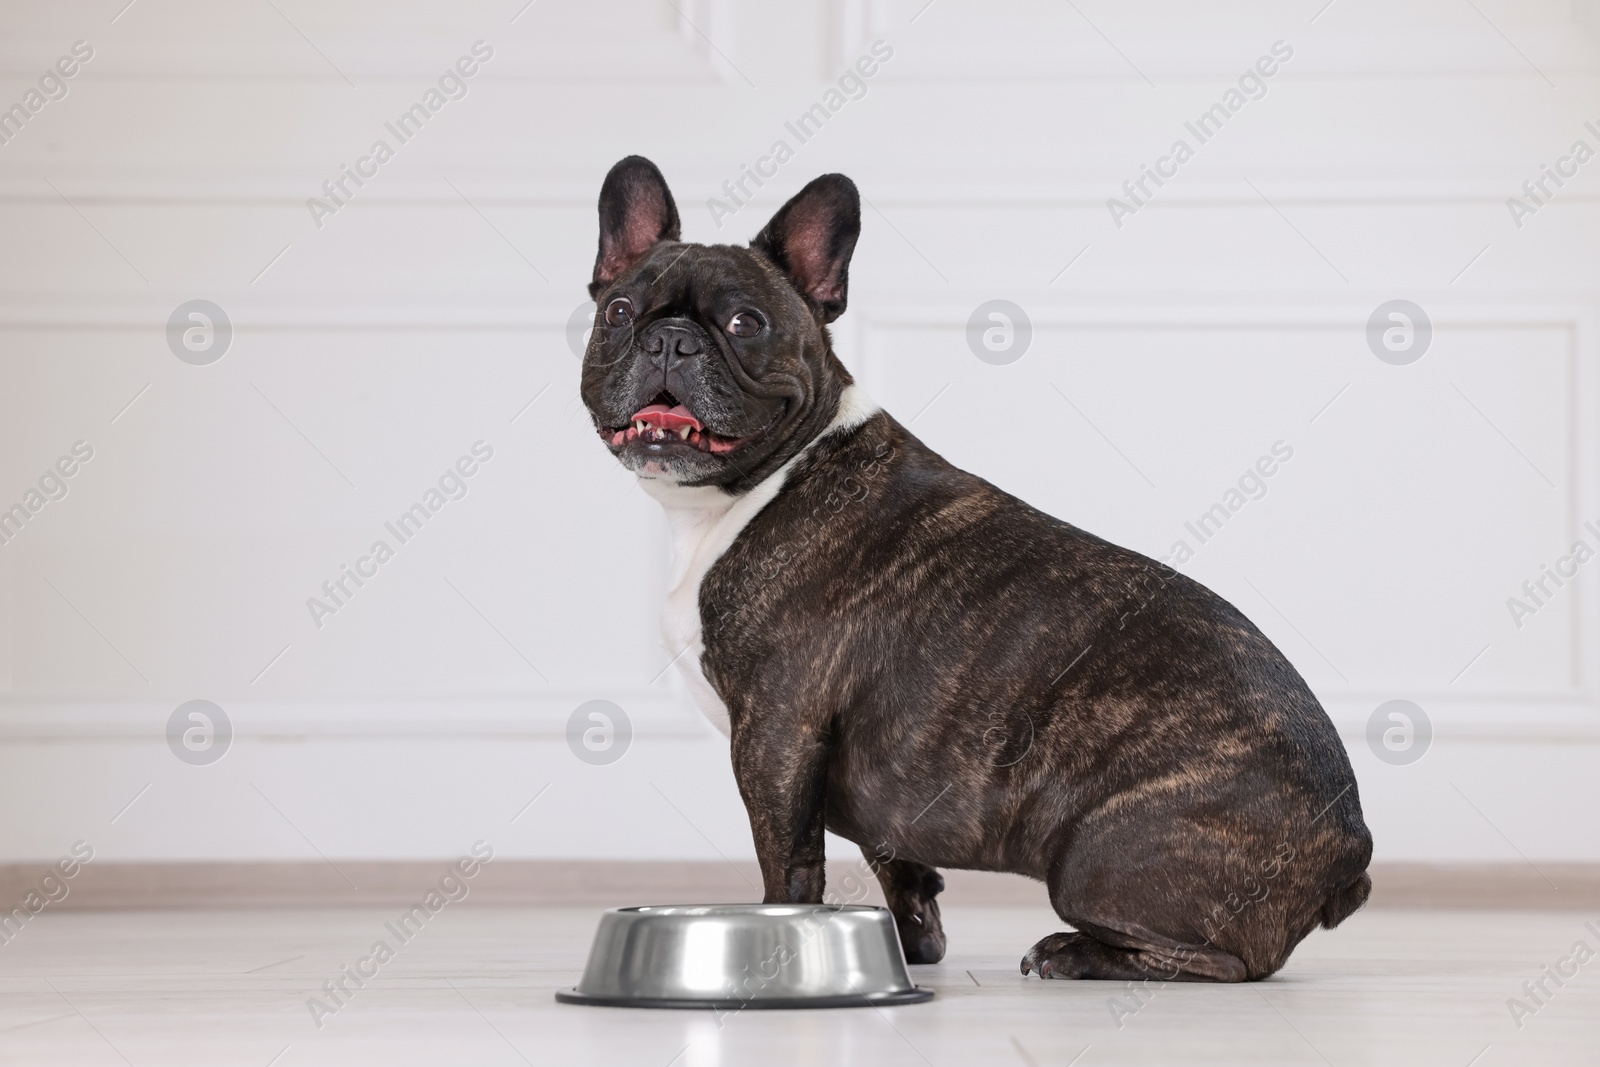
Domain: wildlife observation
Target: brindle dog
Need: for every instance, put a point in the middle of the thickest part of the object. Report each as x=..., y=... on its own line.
x=907, y=656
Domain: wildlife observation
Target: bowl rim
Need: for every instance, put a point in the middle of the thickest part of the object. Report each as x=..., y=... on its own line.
x=699, y=911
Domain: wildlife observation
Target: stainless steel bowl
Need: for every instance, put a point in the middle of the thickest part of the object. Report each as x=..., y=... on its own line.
x=729, y=956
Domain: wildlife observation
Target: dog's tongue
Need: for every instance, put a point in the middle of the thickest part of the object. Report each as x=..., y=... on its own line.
x=666, y=418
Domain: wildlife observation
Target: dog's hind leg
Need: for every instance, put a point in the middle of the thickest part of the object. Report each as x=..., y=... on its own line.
x=910, y=889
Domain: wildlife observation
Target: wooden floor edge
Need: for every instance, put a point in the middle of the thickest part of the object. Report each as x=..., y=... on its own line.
x=109, y=885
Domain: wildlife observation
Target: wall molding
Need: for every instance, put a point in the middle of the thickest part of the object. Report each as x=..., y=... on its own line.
x=531, y=715
x=1499, y=715
x=507, y=188
x=543, y=716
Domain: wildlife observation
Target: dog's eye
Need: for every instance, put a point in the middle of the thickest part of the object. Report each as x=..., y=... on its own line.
x=745, y=324
x=619, y=312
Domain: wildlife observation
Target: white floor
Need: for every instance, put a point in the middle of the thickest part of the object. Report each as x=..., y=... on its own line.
x=475, y=987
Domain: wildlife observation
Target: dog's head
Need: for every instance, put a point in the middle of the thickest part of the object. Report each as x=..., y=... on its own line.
x=710, y=365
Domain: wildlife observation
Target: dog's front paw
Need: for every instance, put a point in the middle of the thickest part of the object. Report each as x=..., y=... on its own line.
x=922, y=934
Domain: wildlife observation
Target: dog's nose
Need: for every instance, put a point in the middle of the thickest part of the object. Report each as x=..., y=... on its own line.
x=668, y=342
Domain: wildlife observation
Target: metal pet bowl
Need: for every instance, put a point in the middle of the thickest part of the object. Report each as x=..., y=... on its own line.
x=729, y=956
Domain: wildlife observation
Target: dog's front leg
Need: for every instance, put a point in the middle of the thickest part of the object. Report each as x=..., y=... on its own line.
x=782, y=771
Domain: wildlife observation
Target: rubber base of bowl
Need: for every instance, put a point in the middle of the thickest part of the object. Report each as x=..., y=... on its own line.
x=870, y=1000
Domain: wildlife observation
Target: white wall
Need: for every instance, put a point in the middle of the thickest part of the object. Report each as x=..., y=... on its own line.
x=424, y=316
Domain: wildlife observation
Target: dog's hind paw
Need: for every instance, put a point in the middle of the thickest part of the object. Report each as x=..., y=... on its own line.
x=1080, y=955
x=1054, y=957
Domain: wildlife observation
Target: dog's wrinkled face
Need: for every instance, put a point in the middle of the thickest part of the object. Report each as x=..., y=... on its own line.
x=697, y=360
x=709, y=365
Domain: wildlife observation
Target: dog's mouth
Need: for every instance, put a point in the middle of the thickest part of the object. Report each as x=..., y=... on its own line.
x=665, y=423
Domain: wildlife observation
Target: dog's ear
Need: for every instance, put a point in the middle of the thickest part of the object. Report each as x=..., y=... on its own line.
x=636, y=211
x=811, y=239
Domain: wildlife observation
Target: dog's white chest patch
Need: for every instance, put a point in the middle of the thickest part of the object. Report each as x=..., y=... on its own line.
x=703, y=523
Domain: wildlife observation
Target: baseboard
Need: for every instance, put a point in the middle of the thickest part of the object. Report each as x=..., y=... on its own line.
x=103, y=885
x=1553, y=886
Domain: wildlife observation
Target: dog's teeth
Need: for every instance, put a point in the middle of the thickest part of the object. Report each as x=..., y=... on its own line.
x=641, y=425
x=683, y=432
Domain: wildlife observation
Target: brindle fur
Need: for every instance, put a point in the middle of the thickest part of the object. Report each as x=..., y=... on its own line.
x=929, y=667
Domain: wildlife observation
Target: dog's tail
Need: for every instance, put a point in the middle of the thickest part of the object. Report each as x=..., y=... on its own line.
x=1344, y=901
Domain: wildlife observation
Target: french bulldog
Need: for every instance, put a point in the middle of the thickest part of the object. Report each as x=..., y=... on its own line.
x=907, y=656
